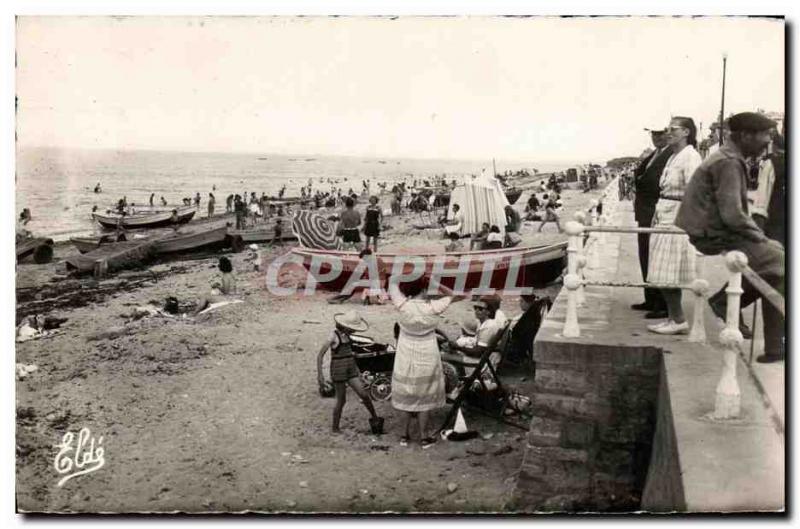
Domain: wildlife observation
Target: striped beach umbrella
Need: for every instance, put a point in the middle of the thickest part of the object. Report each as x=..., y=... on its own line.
x=315, y=231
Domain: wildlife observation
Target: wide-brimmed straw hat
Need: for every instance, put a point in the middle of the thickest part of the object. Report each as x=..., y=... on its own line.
x=352, y=320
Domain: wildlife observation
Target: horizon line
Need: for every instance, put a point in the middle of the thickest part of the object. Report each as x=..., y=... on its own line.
x=307, y=154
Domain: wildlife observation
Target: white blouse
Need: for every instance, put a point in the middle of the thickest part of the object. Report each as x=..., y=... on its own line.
x=674, y=179
x=417, y=316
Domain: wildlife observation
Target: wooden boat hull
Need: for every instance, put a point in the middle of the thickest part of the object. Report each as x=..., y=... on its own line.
x=538, y=266
x=111, y=257
x=148, y=220
x=40, y=248
x=88, y=244
x=187, y=242
x=262, y=235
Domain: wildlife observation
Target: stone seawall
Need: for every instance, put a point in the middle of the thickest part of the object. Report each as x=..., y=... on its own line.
x=590, y=440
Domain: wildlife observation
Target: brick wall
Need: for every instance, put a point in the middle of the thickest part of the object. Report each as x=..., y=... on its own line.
x=590, y=440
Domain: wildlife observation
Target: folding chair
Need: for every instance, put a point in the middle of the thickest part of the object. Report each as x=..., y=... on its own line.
x=490, y=402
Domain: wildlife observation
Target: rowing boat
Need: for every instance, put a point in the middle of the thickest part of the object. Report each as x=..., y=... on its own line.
x=178, y=215
x=196, y=239
x=538, y=265
x=88, y=244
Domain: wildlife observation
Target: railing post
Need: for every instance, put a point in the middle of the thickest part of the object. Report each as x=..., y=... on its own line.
x=700, y=288
x=580, y=217
x=728, y=399
x=698, y=332
x=572, y=281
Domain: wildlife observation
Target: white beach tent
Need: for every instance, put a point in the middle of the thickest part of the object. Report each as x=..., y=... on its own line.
x=480, y=199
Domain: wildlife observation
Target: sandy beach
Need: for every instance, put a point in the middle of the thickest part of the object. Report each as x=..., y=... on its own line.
x=221, y=412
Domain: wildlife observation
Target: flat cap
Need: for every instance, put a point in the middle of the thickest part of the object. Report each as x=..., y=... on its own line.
x=752, y=121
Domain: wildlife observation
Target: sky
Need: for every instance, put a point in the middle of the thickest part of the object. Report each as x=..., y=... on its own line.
x=540, y=89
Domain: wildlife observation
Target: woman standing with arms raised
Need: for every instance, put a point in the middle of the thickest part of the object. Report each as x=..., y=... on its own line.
x=417, y=378
x=672, y=257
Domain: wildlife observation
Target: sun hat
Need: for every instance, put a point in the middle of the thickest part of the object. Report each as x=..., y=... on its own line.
x=352, y=320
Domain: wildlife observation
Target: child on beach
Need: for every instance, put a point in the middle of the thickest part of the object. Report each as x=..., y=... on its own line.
x=277, y=234
x=343, y=368
x=469, y=329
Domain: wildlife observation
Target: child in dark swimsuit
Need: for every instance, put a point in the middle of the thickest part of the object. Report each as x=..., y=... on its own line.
x=372, y=223
x=343, y=368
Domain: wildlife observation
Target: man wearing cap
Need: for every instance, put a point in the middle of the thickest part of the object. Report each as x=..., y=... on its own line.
x=714, y=213
x=646, y=178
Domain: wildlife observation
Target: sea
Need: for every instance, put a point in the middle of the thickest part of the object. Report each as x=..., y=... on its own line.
x=57, y=184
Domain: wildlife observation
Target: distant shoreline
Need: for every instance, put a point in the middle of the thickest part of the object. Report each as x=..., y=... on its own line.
x=302, y=157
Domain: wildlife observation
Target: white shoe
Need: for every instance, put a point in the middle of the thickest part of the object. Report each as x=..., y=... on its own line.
x=673, y=328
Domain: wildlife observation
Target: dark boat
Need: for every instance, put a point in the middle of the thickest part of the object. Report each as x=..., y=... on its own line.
x=177, y=215
x=538, y=265
x=112, y=257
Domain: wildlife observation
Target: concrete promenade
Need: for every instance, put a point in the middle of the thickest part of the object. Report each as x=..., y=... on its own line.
x=698, y=464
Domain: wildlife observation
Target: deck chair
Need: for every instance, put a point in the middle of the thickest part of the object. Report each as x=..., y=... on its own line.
x=490, y=402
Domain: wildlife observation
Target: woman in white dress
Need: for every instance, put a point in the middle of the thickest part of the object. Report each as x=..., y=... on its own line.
x=417, y=377
x=672, y=257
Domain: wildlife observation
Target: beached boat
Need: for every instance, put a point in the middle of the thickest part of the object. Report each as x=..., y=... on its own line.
x=112, y=257
x=40, y=248
x=513, y=194
x=538, y=265
x=197, y=239
x=88, y=244
x=178, y=215
x=264, y=233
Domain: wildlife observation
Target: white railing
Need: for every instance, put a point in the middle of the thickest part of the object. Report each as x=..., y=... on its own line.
x=728, y=395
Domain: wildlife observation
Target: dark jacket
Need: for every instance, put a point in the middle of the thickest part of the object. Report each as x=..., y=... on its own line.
x=775, y=227
x=714, y=205
x=646, y=183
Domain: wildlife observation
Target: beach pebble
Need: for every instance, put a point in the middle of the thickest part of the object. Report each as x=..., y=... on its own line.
x=291, y=503
x=452, y=487
x=304, y=484
x=488, y=435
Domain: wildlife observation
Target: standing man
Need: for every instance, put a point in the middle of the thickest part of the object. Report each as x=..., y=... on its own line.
x=714, y=213
x=646, y=179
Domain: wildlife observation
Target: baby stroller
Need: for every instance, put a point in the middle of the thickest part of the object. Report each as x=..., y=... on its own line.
x=375, y=361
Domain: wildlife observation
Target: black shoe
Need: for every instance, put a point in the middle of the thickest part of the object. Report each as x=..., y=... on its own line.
x=656, y=315
x=642, y=306
x=768, y=359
